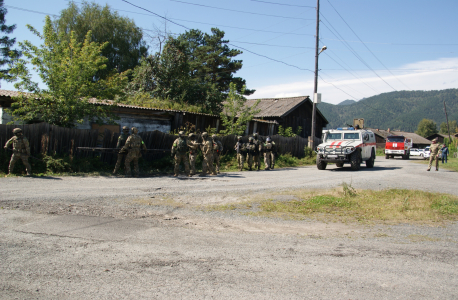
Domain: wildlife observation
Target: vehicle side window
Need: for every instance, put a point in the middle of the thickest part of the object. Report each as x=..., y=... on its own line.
x=351, y=136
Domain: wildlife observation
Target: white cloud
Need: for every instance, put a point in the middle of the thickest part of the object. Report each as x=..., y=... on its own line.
x=424, y=75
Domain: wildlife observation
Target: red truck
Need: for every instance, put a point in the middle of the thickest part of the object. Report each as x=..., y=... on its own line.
x=397, y=145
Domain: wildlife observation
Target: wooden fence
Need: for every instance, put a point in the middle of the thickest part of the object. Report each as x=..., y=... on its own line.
x=50, y=140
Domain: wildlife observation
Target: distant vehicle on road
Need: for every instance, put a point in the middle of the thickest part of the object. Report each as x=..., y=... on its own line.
x=397, y=145
x=426, y=153
x=417, y=152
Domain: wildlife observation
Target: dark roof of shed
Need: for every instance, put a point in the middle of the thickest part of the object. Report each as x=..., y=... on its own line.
x=279, y=107
x=8, y=93
x=416, y=139
x=431, y=137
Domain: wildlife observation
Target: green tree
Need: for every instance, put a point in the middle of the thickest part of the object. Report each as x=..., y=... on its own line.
x=236, y=113
x=67, y=68
x=125, y=46
x=210, y=58
x=194, y=68
x=444, y=128
x=426, y=128
x=7, y=55
x=166, y=75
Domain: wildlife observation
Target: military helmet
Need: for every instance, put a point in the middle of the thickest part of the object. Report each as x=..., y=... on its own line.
x=268, y=139
x=134, y=130
x=434, y=140
x=239, y=137
x=181, y=133
x=17, y=130
x=191, y=134
x=204, y=134
x=214, y=136
x=251, y=138
x=255, y=134
x=125, y=128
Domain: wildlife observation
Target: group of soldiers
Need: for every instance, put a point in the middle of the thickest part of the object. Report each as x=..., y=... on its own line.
x=253, y=150
x=131, y=146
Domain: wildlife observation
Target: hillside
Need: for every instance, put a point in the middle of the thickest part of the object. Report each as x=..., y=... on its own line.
x=401, y=110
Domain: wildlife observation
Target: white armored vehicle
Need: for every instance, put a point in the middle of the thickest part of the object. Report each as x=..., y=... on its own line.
x=346, y=146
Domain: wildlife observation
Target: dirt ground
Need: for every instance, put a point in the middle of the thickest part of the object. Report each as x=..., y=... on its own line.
x=154, y=238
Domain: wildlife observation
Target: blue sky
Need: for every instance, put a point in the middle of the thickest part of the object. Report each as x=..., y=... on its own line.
x=373, y=46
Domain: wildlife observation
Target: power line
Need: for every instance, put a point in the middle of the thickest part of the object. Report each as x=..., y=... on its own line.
x=366, y=45
x=238, y=11
x=32, y=11
x=284, y=4
x=355, y=53
x=281, y=46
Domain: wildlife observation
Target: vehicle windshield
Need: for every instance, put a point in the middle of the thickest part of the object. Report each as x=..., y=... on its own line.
x=395, y=139
x=427, y=148
x=334, y=136
x=351, y=136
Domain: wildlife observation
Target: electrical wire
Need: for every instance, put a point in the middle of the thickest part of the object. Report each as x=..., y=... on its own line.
x=355, y=53
x=366, y=45
x=284, y=4
x=238, y=11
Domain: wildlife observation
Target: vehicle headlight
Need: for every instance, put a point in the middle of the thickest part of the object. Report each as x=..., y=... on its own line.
x=349, y=150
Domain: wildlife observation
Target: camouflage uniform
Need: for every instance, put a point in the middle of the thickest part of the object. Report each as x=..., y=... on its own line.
x=133, y=144
x=21, y=150
x=179, y=149
x=193, y=146
x=241, y=152
x=269, y=154
x=217, y=150
x=251, y=149
x=434, y=152
x=207, y=149
x=122, y=153
x=258, y=151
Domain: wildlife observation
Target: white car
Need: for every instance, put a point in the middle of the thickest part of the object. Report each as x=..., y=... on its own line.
x=346, y=145
x=426, y=153
x=417, y=152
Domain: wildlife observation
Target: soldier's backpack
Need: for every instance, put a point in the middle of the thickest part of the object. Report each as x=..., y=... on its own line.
x=181, y=146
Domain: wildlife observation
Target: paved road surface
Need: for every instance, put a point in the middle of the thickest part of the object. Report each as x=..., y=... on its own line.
x=126, y=238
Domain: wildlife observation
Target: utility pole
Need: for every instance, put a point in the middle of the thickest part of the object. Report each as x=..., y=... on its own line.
x=448, y=125
x=315, y=87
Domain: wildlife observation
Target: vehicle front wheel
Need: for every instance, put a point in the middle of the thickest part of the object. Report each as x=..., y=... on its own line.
x=355, y=160
x=321, y=165
x=387, y=156
x=339, y=165
x=370, y=161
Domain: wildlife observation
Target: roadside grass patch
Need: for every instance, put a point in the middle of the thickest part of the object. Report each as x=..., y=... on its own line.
x=452, y=164
x=346, y=204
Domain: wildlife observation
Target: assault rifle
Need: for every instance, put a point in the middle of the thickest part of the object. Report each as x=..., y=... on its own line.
x=98, y=149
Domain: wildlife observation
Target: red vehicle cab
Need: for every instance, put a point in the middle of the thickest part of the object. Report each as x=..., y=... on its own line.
x=397, y=145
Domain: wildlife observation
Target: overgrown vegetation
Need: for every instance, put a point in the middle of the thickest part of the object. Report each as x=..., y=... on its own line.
x=350, y=205
x=288, y=131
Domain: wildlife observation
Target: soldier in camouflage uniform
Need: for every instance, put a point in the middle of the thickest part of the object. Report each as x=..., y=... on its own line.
x=217, y=150
x=240, y=147
x=122, y=153
x=193, y=145
x=133, y=146
x=434, y=154
x=207, y=152
x=21, y=150
x=179, y=149
x=269, y=154
x=251, y=149
x=258, y=151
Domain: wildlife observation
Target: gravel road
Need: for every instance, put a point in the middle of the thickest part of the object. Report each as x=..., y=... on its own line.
x=129, y=238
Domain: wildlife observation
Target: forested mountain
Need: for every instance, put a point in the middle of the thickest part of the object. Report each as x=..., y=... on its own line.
x=347, y=102
x=401, y=110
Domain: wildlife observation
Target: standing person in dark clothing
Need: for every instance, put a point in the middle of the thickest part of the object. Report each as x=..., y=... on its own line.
x=445, y=153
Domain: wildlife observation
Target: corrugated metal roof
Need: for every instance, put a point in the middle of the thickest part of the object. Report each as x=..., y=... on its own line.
x=279, y=107
x=8, y=93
